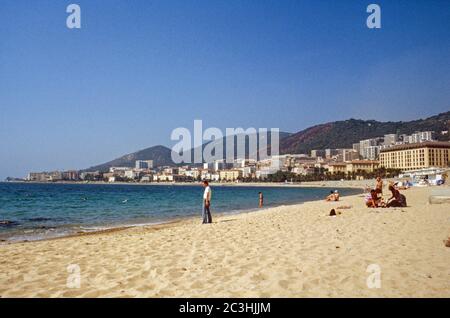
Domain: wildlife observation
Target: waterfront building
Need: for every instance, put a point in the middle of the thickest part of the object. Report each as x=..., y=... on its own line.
x=416, y=156
x=230, y=175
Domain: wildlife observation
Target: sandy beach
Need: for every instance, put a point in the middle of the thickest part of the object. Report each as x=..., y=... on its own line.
x=288, y=251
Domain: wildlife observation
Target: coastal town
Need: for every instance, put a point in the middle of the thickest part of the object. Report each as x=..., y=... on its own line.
x=251, y=155
x=388, y=155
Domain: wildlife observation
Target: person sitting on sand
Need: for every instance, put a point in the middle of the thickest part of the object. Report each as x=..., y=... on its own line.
x=402, y=185
x=331, y=197
x=374, y=201
x=406, y=184
x=261, y=199
x=397, y=199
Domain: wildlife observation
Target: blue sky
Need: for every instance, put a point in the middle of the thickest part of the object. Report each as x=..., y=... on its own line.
x=138, y=69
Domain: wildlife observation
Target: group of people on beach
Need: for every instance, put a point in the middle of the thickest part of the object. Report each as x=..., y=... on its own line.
x=375, y=198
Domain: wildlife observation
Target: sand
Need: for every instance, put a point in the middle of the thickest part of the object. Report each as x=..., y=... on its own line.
x=288, y=251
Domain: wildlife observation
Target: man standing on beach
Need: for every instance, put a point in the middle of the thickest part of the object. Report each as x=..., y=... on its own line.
x=206, y=213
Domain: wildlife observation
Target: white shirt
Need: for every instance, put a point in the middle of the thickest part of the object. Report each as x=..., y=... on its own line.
x=207, y=194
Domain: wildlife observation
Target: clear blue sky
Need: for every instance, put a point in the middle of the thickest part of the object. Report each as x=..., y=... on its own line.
x=138, y=69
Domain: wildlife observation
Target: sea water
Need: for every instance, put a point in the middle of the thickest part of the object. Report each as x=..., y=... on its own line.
x=38, y=211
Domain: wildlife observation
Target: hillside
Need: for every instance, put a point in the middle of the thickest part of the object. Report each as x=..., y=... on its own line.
x=282, y=135
x=342, y=134
x=160, y=155
x=339, y=134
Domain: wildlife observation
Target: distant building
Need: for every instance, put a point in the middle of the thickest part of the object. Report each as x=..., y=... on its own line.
x=345, y=155
x=118, y=169
x=230, y=175
x=169, y=178
x=318, y=153
x=416, y=156
x=241, y=163
x=147, y=178
x=304, y=169
x=421, y=136
x=71, y=175
x=363, y=165
x=220, y=165
x=208, y=166
x=45, y=176
x=365, y=144
x=354, y=166
x=171, y=170
x=390, y=139
x=37, y=176
x=350, y=154
x=91, y=176
x=263, y=173
x=329, y=153
x=193, y=173
x=133, y=174
x=337, y=167
x=371, y=152
x=403, y=138
x=144, y=164
x=357, y=147
x=248, y=172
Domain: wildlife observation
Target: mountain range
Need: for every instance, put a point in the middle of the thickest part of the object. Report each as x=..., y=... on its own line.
x=337, y=134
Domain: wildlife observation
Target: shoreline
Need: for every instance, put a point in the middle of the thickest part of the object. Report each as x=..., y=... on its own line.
x=284, y=251
x=313, y=184
x=160, y=224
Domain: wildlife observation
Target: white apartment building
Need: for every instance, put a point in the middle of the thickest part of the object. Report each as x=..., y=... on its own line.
x=363, y=144
x=390, y=139
x=371, y=152
x=144, y=164
x=421, y=136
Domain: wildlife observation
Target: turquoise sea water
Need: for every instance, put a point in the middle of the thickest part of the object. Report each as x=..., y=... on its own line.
x=37, y=211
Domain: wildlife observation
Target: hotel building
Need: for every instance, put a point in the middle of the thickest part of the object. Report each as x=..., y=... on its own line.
x=416, y=156
x=354, y=166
